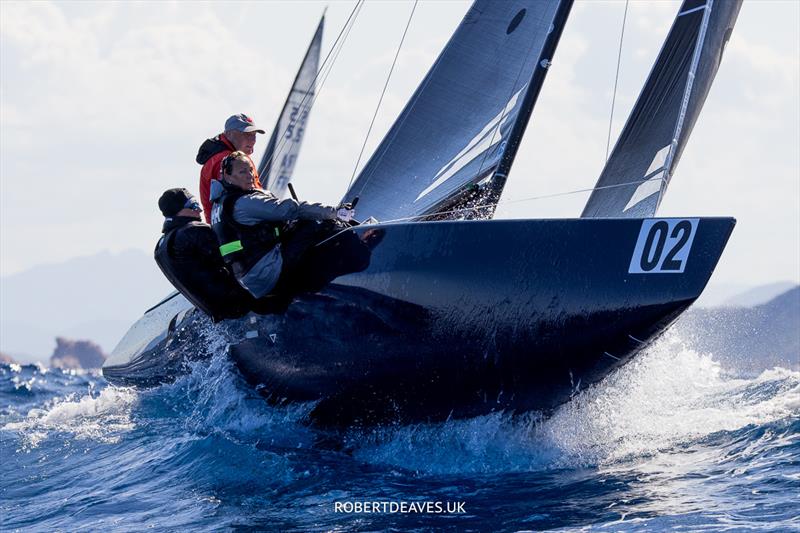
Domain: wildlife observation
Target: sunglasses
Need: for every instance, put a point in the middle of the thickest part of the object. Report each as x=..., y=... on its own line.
x=193, y=205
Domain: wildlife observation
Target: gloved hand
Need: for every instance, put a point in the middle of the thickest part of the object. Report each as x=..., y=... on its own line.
x=345, y=213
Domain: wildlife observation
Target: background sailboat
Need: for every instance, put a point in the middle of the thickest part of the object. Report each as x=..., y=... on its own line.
x=280, y=156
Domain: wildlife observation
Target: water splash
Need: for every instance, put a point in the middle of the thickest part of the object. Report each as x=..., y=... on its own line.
x=668, y=396
x=103, y=417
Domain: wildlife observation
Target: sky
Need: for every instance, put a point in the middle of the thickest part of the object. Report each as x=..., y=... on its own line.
x=103, y=106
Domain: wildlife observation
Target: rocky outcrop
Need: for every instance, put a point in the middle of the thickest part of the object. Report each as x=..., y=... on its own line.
x=77, y=354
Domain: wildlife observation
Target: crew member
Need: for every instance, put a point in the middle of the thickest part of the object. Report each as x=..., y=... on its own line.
x=188, y=255
x=239, y=134
x=252, y=227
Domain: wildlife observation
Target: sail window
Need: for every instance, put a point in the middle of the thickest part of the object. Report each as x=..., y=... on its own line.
x=516, y=20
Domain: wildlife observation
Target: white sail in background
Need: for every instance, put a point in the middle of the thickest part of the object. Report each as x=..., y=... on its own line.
x=280, y=156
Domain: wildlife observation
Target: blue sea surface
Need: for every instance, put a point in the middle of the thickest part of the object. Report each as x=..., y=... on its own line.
x=671, y=441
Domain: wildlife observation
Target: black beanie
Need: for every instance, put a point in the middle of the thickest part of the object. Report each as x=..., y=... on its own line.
x=173, y=200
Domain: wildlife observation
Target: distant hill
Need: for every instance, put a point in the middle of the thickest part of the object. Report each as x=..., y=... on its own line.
x=748, y=339
x=740, y=295
x=95, y=297
x=759, y=295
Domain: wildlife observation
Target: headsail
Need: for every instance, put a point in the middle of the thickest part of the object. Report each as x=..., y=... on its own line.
x=280, y=156
x=650, y=145
x=465, y=119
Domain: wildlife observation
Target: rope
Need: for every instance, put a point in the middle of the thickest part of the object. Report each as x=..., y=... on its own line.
x=479, y=207
x=529, y=199
x=383, y=92
x=334, y=52
x=616, y=79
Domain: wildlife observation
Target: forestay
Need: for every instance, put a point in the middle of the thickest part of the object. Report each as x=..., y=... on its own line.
x=648, y=149
x=454, y=131
x=277, y=163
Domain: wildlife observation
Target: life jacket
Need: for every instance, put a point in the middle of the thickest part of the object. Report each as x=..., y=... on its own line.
x=209, y=287
x=241, y=245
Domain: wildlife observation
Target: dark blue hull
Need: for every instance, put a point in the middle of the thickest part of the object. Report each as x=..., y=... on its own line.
x=455, y=319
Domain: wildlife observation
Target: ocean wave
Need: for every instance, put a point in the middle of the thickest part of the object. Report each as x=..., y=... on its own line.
x=669, y=396
x=104, y=418
x=671, y=439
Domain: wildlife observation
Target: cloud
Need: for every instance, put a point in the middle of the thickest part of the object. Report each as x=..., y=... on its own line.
x=103, y=105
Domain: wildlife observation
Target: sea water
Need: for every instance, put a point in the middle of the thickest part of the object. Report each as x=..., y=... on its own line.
x=671, y=441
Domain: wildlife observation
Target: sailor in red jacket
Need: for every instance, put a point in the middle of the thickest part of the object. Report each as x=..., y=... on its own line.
x=240, y=134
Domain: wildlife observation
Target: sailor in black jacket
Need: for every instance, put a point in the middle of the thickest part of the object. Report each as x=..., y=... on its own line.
x=188, y=255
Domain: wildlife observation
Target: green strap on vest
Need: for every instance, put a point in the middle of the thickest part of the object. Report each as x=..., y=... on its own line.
x=236, y=246
x=230, y=247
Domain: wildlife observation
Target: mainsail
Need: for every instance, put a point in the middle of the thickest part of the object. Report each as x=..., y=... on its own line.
x=650, y=145
x=463, y=124
x=280, y=156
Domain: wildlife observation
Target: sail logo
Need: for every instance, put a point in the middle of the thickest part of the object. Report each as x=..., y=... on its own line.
x=663, y=246
x=653, y=178
x=479, y=144
x=216, y=213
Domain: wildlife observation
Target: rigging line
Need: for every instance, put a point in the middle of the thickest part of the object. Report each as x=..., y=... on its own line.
x=528, y=199
x=479, y=207
x=396, y=127
x=616, y=79
x=332, y=55
x=383, y=92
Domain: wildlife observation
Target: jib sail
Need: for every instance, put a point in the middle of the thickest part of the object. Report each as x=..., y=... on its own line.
x=650, y=145
x=277, y=163
x=463, y=124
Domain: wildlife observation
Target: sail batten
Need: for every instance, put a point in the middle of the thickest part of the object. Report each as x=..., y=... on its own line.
x=280, y=156
x=457, y=128
x=649, y=147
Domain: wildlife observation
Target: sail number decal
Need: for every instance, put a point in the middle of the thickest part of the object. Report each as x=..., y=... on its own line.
x=663, y=246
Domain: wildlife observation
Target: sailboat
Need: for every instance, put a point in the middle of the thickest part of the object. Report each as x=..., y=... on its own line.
x=455, y=314
x=280, y=156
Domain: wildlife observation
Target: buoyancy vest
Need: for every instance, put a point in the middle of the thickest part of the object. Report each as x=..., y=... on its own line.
x=241, y=245
x=209, y=287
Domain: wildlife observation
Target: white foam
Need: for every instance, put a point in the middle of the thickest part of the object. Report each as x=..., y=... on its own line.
x=103, y=418
x=667, y=396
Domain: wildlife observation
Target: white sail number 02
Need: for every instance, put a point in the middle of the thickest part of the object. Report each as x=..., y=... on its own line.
x=663, y=246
